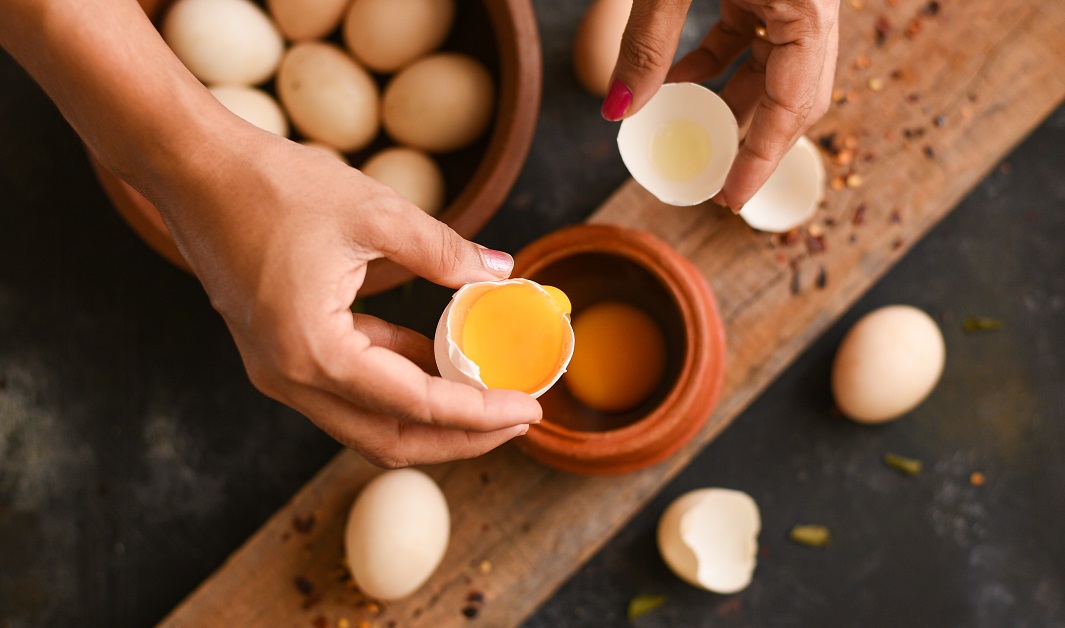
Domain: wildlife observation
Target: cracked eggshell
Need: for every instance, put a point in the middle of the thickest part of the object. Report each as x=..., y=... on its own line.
x=709, y=538
x=680, y=101
x=397, y=533
x=791, y=195
x=453, y=363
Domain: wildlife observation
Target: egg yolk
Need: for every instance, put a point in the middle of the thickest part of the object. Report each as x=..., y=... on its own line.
x=619, y=355
x=515, y=335
x=680, y=150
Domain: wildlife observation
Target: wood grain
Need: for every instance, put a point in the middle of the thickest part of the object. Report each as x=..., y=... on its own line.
x=988, y=70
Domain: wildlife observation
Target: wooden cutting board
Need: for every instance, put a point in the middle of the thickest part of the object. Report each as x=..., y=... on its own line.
x=922, y=115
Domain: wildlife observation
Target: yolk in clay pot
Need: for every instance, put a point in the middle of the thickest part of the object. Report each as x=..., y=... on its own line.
x=515, y=335
x=619, y=355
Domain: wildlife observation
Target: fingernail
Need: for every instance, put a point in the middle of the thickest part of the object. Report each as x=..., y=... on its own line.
x=497, y=262
x=524, y=431
x=617, y=101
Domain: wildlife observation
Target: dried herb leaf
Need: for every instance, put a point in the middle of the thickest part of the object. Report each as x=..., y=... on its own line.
x=643, y=604
x=977, y=324
x=810, y=535
x=907, y=466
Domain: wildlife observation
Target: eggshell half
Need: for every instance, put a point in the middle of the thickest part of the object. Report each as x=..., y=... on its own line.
x=453, y=363
x=397, y=533
x=887, y=364
x=680, y=101
x=792, y=193
x=709, y=538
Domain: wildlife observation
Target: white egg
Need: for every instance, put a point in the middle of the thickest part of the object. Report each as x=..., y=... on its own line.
x=709, y=538
x=454, y=365
x=791, y=195
x=680, y=146
x=410, y=172
x=254, y=106
x=328, y=96
x=325, y=148
x=223, y=42
x=301, y=20
x=887, y=364
x=387, y=35
x=397, y=533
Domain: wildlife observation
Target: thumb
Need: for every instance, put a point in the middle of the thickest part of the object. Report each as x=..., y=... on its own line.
x=647, y=49
x=431, y=249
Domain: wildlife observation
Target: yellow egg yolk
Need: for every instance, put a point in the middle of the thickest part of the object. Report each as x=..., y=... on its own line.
x=680, y=150
x=515, y=335
x=619, y=355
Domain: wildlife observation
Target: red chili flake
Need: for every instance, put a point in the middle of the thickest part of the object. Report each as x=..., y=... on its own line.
x=320, y=622
x=913, y=28
x=897, y=244
x=940, y=120
x=822, y=278
x=869, y=158
x=470, y=612
x=883, y=29
x=475, y=597
x=913, y=97
x=815, y=244
x=789, y=237
x=931, y=9
x=304, y=525
x=896, y=217
x=859, y=215
x=929, y=152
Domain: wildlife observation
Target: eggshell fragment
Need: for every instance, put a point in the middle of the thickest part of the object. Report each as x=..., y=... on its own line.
x=887, y=364
x=791, y=195
x=439, y=103
x=397, y=533
x=598, y=41
x=410, y=172
x=453, y=363
x=709, y=538
x=301, y=20
x=680, y=102
x=223, y=42
x=328, y=96
x=254, y=106
x=387, y=35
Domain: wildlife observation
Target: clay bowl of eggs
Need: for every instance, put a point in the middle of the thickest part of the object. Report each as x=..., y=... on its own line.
x=435, y=98
x=617, y=335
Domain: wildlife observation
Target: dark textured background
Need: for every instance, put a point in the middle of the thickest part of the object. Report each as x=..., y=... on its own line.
x=135, y=456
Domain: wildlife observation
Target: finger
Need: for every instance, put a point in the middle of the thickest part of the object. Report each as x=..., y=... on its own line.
x=745, y=89
x=792, y=81
x=647, y=49
x=406, y=342
x=728, y=38
x=387, y=383
x=389, y=443
x=429, y=248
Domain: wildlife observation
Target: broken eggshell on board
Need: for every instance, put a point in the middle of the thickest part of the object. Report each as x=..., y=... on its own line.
x=790, y=196
x=709, y=538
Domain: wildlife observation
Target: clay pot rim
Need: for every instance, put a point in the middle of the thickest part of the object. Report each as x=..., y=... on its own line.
x=687, y=406
x=517, y=41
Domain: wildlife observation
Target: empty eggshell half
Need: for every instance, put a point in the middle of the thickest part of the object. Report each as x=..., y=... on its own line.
x=697, y=108
x=792, y=193
x=397, y=533
x=454, y=365
x=709, y=538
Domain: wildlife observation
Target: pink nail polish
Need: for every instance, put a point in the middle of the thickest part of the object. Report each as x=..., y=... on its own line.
x=497, y=262
x=617, y=101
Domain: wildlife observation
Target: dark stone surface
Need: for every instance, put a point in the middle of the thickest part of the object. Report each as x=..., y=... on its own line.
x=135, y=456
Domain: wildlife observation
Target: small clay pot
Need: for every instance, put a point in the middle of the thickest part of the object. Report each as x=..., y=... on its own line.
x=604, y=263
x=504, y=36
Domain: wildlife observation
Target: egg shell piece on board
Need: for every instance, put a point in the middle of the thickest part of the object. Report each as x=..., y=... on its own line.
x=453, y=363
x=709, y=538
x=397, y=533
x=791, y=195
x=679, y=102
x=887, y=364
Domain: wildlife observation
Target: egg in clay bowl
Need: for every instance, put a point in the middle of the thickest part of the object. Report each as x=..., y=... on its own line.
x=887, y=364
x=512, y=334
x=397, y=533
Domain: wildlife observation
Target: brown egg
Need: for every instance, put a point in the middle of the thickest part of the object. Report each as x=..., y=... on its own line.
x=386, y=35
x=439, y=104
x=410, y=172
x=598, y=40
x=300, y=20
x=329, y=98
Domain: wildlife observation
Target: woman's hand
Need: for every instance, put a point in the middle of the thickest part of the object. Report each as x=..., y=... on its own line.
x=777, y=94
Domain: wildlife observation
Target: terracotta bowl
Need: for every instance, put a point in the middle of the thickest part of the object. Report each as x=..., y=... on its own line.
x=503, y=35
x=599, y=263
